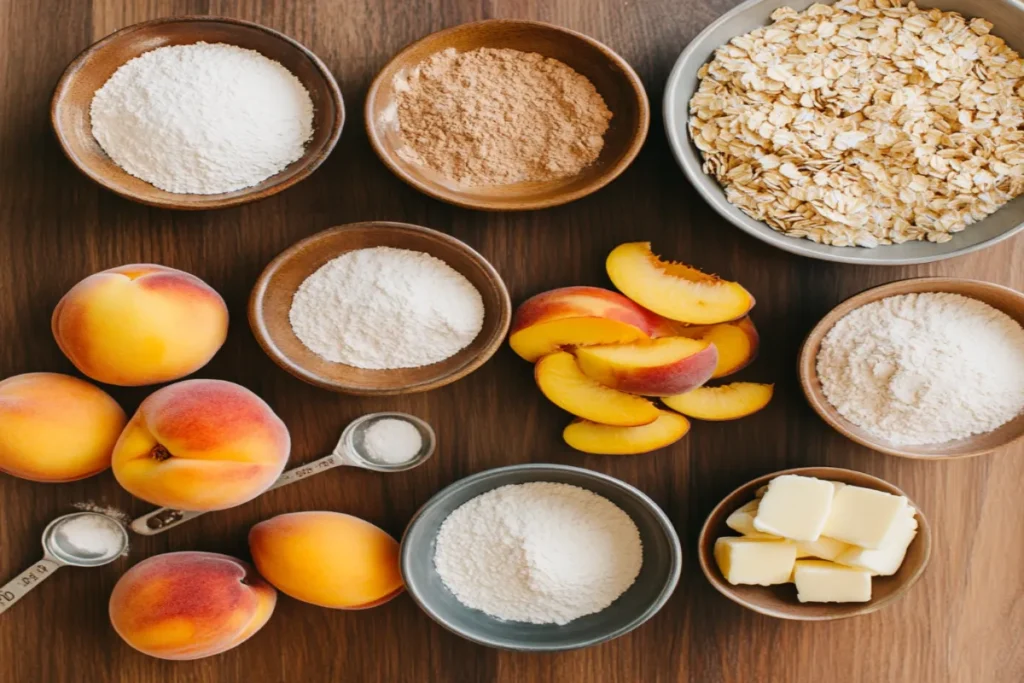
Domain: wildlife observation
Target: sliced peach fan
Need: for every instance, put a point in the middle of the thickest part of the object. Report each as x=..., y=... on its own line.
x=737, y=343
x=565, y=385
x=591, y=437
x=674, y=290
x=659, y=367
x=727, y=402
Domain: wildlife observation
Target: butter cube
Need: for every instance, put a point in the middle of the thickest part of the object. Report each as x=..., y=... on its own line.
x=795, y=507
x=824, y=548
x=864, y=517
x=884, y=561
x=820, y=581
x=755, y=561
x=742, y=521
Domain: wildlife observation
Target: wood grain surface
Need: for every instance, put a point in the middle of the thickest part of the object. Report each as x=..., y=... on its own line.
x=961, y=623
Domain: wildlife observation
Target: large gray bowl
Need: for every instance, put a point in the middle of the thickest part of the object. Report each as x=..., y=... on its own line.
x=662, y=563
x=1008, y=17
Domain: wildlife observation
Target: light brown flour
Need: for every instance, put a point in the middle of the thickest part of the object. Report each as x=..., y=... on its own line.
x=496, y=117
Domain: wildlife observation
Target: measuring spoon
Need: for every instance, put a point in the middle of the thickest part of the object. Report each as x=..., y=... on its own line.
x=57, y=553
x=350, y=452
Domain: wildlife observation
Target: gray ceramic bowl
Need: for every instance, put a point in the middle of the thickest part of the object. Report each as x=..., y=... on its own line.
x=1008, y=18
x=658, y=577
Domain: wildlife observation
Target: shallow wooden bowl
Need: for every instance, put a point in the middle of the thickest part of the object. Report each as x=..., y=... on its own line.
x=1009, y=301
x=614, y=79
x=271, y=301
x=69, y=109
x=780, y=601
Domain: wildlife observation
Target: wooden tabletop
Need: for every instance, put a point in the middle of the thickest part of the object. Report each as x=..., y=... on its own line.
x=962, y=623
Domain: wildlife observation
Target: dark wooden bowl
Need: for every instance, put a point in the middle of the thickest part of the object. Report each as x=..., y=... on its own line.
x=1005, y=299
x=614, y=79
x=69, y=109
x=271, y=301
x=780, y=601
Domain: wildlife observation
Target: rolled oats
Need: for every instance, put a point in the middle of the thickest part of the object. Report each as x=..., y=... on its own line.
x=863, y=123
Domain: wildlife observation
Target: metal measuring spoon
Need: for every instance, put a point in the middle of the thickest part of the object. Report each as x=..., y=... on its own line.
x=348, y=453
x=58, y=553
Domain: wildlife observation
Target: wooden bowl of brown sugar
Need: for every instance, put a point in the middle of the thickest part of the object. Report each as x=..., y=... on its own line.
x=613, y=79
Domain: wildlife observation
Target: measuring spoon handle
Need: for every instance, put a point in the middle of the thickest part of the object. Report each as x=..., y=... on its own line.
x=162, y=519
x=15, y=589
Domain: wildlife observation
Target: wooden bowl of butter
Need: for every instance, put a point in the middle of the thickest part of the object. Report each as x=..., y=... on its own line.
x=815, y=544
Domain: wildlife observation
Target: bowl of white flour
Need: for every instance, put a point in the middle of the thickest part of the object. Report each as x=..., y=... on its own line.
x=197, y=112
x=540, y=557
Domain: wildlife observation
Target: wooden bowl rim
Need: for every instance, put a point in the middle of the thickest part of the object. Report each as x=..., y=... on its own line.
x=258, y=325
x=710, y=569
x=807, y=367
x=205, y=202
x=564, y=197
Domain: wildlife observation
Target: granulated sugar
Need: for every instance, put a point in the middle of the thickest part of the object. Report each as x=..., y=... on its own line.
x=924, y=368
x=392, y=441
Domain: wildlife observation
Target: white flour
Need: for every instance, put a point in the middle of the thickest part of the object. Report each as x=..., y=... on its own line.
x=541, y=552
x=202, y=119
x=386, y=308
x=924, y=368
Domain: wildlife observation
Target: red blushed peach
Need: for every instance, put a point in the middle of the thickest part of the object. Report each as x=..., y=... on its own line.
x=727, y=402
x=201, y=444
x=564, y=384
x=576, y=316
x=56, y=428
x=590, y=437
x=140, y=324
x=659, y=367
x=190, y=605
x=737, y=343
x=674, y=290
x=328, y=559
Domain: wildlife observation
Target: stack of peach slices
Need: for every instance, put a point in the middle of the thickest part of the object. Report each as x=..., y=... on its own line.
x=601, y=355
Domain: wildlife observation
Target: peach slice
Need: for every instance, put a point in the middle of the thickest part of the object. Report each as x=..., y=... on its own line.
x=737, y=343
x=674, y=290
x=727, y=402
x=565, y=385
x=659, y=367
x=591, y=437
x=576, y=316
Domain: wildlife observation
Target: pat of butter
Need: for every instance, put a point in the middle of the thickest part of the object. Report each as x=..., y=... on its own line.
x=864, y=517
x=755, y=561
x=884, y=561
x=824, y=548
x=742, y=521
x=821, y=581
x=795, y=507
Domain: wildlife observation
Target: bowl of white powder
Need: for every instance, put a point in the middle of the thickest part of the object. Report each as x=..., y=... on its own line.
x=380, y=308
x=540, y=557
x=197, y=112
x=922, y=368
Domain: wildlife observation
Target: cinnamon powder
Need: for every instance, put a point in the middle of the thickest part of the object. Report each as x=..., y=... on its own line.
x=499, y=116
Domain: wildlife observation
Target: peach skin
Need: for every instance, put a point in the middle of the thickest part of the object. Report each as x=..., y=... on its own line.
x=659, y=367
x=674, y=290
x=56, y=428
x=201, y=444
x=563, y=383
x=189, y=605
x=576, y=316
x=328, y=559
x=140, y=324
x=736, y=341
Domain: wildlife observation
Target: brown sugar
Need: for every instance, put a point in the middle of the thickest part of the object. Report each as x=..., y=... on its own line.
x=498, y=116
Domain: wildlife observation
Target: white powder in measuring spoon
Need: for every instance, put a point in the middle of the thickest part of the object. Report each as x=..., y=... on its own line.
x=385, y=308
x=391, y=441
x=541, y=552
x=90, y=536
x=202, y=118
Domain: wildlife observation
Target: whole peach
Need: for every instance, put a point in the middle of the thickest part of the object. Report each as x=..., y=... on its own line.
x=201, y=444
x=328, y=559
x=56, y=428
x=189, y=605
x=140, y=324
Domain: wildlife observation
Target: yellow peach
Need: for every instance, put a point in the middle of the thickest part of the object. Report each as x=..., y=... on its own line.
x=56, y=428
x=564, y=384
